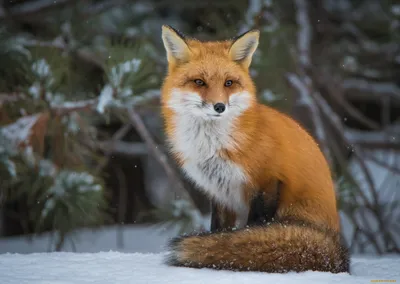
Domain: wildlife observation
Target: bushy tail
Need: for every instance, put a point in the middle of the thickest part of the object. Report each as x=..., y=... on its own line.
x=278, y=247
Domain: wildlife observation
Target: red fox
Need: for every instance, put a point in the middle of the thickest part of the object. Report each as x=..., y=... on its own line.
x=274, y=203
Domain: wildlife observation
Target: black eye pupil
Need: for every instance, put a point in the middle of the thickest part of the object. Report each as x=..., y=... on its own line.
x=228, y=83
x=199, y=82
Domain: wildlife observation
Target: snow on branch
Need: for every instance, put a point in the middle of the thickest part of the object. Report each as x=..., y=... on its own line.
x=18, y=136
x=41, y=68
x=72, y=106
x=20, y=131
x=77, y=180
x=106, y=98
x=119, y=71
x=65, y=182
x=7, y=151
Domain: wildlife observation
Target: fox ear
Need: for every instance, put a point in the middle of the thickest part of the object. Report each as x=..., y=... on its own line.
x=244, y=46
x=175, y=45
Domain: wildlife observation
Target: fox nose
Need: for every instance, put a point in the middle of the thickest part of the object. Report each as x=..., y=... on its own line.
x=219, y=107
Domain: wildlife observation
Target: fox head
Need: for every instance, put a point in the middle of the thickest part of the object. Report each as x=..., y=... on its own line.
x=209, y=80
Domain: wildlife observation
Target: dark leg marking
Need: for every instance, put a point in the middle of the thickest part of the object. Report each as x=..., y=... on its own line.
x=215, y=220
x=263, y=207
x=221, y=218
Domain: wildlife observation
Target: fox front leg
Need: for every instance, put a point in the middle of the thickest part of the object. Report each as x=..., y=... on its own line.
x=264, y=204
x=221, y=217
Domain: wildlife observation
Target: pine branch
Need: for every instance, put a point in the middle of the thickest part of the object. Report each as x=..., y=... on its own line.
x=11, y=98
x=60, y=44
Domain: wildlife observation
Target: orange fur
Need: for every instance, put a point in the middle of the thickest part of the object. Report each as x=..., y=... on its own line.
x=270, y=147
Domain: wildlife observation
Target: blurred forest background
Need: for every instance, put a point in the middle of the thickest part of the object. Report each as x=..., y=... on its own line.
x=81, y=136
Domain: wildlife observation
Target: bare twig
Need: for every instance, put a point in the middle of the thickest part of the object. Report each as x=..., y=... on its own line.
x=336, y=93
x=304, y=90
x=381, y=163
x=383, y=145
x=337, y=123
x=318, y=106
x=373, y=88
x=125, y=148
x=375, y=206
x=122, y=204
x=368, y=45
x=375, y=137
x=108, y=149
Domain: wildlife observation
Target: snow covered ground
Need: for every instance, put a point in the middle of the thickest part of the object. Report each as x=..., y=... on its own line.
x=139, y=268
x=146, y=239
x=134, y=255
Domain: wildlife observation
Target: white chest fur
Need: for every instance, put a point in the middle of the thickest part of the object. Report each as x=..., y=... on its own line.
x=199, y=142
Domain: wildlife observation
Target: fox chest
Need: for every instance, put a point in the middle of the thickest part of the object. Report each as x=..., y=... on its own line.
x=200, y=147
x=219, y=179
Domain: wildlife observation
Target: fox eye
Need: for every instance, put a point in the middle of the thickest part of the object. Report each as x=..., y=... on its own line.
x=228, y=83
x=199, y=82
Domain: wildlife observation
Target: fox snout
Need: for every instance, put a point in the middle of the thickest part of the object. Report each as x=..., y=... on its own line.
x=217, y=102
x=219, y=107
x=215, y=109
x=197, y=105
